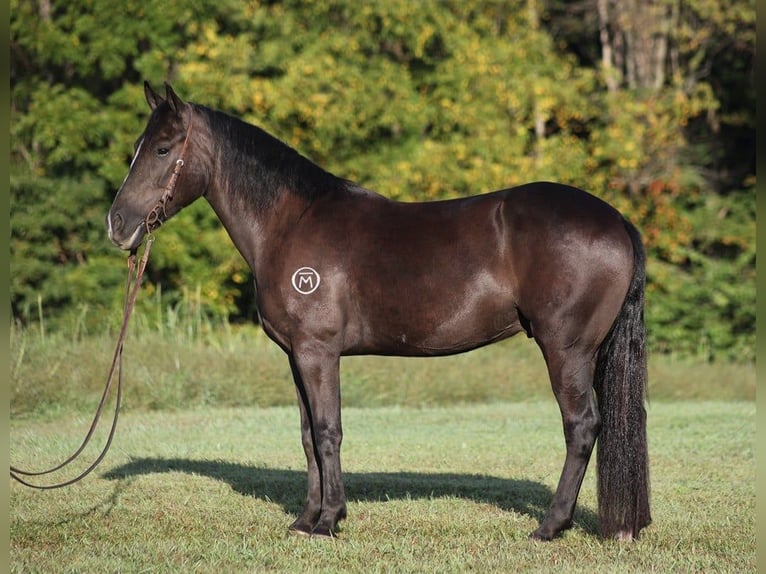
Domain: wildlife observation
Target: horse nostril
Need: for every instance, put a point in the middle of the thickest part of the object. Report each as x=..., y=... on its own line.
x=117, y=222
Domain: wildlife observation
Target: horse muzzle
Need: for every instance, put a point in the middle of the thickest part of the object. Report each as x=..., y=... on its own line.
x=124, y=236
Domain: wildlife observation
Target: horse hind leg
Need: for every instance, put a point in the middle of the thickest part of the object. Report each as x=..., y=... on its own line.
x=571, y=374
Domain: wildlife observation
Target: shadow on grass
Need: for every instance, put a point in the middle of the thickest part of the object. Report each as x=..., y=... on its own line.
x=288, y=487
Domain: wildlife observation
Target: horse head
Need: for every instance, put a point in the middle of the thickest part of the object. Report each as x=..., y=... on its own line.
x=160, y=181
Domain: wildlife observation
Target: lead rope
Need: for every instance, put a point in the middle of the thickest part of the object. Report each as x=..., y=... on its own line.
x=135, y=275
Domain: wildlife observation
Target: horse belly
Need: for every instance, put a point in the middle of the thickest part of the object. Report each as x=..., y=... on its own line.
x=433, y=279
x=437, y=317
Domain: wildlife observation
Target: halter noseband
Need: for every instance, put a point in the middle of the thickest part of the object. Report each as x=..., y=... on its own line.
x=158, y=215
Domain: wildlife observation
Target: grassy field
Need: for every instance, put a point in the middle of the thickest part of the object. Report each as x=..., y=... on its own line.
x=441, y=489
x=449, y=463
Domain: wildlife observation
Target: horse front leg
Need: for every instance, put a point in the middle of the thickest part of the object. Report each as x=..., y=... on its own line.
x=305, y=523
x=317, y=380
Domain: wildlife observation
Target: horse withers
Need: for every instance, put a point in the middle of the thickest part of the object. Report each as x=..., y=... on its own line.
x=340, y=270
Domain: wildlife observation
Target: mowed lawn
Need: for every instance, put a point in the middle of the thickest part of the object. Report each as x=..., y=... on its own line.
x=450, y=488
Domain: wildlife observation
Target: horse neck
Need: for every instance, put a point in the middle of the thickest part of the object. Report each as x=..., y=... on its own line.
x=254, y=205
x=254, y=231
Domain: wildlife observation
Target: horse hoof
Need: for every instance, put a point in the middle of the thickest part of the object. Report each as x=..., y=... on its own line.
x=322, y=532
x=319, y=532
x=537, y=535
x=547, y=533
x=299, y=530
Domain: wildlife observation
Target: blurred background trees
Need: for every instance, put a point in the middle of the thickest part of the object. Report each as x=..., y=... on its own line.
x=649, y=104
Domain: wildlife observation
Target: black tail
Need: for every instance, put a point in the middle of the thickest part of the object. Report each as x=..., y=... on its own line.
x=620, y=383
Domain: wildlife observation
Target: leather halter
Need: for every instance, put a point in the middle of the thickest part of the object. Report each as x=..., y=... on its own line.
x=158, y=215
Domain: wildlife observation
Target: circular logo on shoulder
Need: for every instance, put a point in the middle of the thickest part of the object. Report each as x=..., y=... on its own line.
x=306, y=280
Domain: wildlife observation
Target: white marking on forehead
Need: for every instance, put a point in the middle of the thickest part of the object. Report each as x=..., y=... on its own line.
x=138, y=151
x=135, y=157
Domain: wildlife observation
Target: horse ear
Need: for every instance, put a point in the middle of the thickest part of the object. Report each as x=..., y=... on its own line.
x=152, y=97
x=176, y=103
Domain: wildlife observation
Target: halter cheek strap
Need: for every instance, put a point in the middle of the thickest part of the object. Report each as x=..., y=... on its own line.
x=158, y=215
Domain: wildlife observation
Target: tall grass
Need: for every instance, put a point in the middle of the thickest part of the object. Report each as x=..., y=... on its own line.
x=180, y=357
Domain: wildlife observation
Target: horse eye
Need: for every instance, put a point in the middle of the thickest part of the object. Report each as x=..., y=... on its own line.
x=163, y=151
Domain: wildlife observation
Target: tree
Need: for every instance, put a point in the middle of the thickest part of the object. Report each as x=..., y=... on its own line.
x=649, y=104
x=76, y=107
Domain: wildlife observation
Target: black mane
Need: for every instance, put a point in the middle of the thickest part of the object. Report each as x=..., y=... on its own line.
x=259, y=167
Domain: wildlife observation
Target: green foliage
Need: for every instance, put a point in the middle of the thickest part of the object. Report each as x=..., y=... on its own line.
x=417, y=100
x=708, y=301
x=57, y=252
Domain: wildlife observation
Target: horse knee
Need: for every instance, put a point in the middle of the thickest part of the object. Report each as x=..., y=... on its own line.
x=328, y=439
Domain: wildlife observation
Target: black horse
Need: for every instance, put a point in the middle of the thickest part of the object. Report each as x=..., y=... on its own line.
x=340, y=270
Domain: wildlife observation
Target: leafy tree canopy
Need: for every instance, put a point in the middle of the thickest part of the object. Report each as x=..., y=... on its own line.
x=650, y=105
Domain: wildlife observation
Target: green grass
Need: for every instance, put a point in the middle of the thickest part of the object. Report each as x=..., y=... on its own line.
x=436, y=489
x=449, y=463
